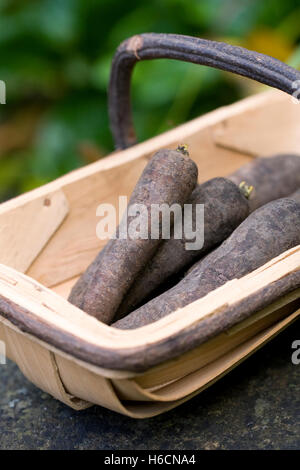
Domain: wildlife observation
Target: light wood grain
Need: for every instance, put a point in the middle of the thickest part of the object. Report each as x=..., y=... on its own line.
x=38, y=364
x=64, y=288
x=263, y=131
x=26, y=229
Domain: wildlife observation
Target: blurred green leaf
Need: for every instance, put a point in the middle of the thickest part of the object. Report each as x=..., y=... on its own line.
x=56, y=56
x=294, y=59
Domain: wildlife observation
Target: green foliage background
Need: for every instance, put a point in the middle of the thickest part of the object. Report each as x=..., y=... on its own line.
x=55, y=59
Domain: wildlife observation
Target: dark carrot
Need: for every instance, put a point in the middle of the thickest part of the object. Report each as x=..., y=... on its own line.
x=169, y=178
x=272, y=177
x=267, y=232
x=225, y=207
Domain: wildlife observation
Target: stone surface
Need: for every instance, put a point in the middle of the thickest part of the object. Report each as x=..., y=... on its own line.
x=256, y=406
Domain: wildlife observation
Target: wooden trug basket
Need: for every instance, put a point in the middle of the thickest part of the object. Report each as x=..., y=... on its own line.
x=49, y=234
x=48, y=238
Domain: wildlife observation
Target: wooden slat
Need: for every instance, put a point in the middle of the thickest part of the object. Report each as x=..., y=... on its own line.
x=218, y=346
x=263, y=131
x=38, y=364
x=25, y=230
x=64, y=288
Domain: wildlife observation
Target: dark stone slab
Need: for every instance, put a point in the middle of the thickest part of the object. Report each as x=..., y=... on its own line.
x=256, y=406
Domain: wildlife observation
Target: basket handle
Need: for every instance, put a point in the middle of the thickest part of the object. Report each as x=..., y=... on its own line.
x=251, y=64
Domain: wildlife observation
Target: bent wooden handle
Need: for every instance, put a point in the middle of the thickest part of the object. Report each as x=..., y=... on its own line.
x=250, y=64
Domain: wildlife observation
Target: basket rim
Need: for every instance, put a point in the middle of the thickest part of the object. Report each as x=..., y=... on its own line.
x=41, y=312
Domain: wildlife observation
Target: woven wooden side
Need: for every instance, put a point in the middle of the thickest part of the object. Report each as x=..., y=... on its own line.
x=79, y=386
x=38, y=364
